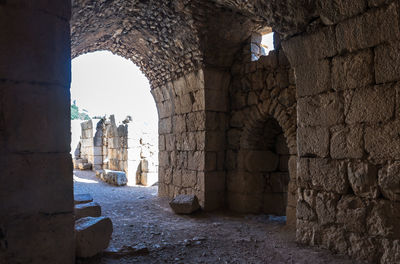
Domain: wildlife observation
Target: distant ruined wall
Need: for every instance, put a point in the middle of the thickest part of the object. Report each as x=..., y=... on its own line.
x=261, y=139
x=346, y=68
x=108, y=146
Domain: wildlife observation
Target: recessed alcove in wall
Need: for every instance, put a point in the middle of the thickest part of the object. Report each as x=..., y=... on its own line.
x=260, y=184
x=122, y=133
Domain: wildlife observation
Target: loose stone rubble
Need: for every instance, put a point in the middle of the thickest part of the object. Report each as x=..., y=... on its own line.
x=184, y=204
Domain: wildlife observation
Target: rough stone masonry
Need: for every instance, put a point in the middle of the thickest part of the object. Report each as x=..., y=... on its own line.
x=327, y=101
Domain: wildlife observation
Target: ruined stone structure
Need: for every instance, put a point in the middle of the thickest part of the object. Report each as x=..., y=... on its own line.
x=322, y=110
x=106, y=146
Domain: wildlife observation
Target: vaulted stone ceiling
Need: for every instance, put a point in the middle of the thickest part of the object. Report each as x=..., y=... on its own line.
x=166, y=39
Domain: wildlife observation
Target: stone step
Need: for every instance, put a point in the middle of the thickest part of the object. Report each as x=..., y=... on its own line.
x=82, y=198
x=92, y=209
x=92, y=235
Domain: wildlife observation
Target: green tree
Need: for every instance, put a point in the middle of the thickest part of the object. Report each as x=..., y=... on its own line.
x=76, y=115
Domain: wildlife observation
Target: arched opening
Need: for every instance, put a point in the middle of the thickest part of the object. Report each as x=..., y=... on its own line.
x=260, y=184
x=114, y=120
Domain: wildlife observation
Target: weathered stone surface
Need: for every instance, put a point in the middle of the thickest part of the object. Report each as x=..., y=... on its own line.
x=389, y=181
x=353, y=70
x=83, y=198
x=328, y=175
x=320, y=110
x=92, y=235
x=391, y=251
x=313, y=78
x=346, y=142
x=185, y=204
x=370, y=104
x=305, y=212
x=387, y=61
x=307, y=47
x=383, y=219
x=369, y=29
x=352, y=213
x=326, y=208
x=335, y=239
x=332, y=12
x=382, y=141
x=92, y=209
x=313, y=141
x=363, y=179
x=362, y=247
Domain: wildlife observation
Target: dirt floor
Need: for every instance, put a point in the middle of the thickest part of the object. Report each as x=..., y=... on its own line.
x=142, y=219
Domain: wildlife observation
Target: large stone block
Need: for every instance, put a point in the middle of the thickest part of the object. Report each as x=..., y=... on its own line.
x=334, y=239
x=332, y=12
x=373, y=104
x=313, y=141
x=382, y=141
x=87, y=209
x=384, y=219
x=363, y=179
x=26, y=127
x=391, y=251
x=308, y=47
x=346, y=142
x=305, y=212
x=363, y=247
x=185, y=204
x=369, y=29
x=387, y=59
x=313, y=78
x=92, y=235
x=320, y=110
x=353, y=70
x=38, y=238
x=325, y=207
x=49, y=55
x=328, y=175
x=352, y=213
x=389, y=181
x=82, y=198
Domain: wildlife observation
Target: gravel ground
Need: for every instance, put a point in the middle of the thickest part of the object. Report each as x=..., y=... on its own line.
x=142, y=219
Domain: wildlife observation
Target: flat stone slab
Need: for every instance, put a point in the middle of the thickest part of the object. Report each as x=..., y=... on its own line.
x=92, y=235
x=185, y=204
x=82, y=198
x=92, y=209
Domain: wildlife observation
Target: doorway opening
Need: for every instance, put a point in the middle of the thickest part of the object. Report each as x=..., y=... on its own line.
x=114, y=120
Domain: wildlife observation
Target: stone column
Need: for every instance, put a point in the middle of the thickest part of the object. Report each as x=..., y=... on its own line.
x=36, y=191
x=192, y=113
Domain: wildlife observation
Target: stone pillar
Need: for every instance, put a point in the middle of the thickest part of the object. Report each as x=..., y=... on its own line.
x=192, y=113
x=36, y=208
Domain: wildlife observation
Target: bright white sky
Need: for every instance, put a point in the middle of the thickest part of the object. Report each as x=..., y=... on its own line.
x=105, y=84
x=268, y=40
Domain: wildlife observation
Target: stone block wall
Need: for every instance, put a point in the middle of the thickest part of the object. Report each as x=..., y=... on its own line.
x=192, y=136
x=261, y=150
x=36, y=208
x=91, y=142
x=348, y=124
